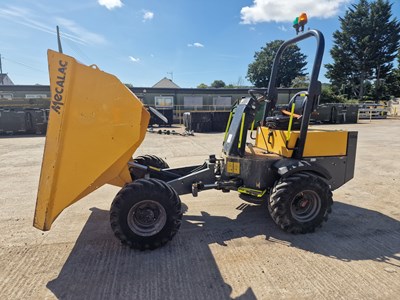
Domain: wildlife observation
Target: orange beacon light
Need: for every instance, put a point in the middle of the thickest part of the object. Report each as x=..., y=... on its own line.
x=299, y=22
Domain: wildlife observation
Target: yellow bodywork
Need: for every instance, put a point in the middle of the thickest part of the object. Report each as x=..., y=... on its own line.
x=318, y=142
x=95, y=126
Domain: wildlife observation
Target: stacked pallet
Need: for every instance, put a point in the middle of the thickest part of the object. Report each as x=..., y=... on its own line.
x=336, y=113
x=210, y=121
x=219, y=120
x=23, y=121
x=166, y=112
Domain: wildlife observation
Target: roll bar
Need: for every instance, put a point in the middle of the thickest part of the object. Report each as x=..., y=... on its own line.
x=313, y=88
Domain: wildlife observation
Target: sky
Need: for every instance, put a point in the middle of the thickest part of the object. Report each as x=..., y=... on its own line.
x=143, y=41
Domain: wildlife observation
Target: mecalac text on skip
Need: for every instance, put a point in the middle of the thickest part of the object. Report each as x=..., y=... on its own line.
x=58, y=92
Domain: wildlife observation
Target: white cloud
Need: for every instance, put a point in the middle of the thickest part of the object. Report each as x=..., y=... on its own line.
x=79, y=32
x=288, y=10
x=33, y=20
x=110, y=4
x=24, y=17
x=147, y=15
x=196, y=45
x=134, y=59
x=282, y=28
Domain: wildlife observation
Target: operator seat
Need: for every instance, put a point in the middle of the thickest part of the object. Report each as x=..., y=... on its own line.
x=281, y=120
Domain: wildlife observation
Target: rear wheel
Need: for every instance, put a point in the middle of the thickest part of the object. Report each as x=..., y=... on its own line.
x=300, y=203
x=146, y=214
x=151, y=160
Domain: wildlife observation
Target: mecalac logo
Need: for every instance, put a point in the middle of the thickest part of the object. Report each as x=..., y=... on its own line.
x=58, y=92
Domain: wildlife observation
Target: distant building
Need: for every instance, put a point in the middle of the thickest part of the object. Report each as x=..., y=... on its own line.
x=164, y=95
x=166, y=83
x=5, y=80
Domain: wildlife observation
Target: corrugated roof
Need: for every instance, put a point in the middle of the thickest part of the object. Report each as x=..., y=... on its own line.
x=166, y=83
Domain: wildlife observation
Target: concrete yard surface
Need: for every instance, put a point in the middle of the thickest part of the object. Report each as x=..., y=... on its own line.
x=226, y=248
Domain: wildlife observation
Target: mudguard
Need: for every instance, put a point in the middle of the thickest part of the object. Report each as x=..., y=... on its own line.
x=286, y=167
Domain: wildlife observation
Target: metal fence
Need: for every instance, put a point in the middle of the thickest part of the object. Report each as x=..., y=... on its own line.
x=373, y=111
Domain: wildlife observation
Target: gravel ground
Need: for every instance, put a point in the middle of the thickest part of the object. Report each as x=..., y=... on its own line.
x=226, y=248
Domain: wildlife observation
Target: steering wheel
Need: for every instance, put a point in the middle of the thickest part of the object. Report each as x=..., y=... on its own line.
x=253, y=94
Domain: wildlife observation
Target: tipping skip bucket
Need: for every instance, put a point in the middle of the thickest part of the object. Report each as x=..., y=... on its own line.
x=95, y=126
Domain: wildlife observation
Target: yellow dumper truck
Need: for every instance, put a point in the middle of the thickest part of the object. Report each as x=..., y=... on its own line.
x=96, y=124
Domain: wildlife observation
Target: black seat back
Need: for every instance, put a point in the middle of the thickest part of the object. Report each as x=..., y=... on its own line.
x=299, y=100
x=281, y=120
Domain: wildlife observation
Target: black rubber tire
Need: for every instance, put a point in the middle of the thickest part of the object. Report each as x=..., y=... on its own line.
x=287, y=196
x=138, y=193
x=151, y=160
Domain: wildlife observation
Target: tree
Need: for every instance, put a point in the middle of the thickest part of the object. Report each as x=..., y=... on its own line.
x=364, y=48
x=202, y=86
x=387, y=39
x=351, y=65
x=240, y=81
x=393, y=80
x=329, y=96
x=218, y=84
x=393, y=83
x=292, y=65
x=301, y=82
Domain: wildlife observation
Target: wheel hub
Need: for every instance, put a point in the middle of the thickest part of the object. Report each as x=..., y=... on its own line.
x=304, y=203
x=147, y=218
x=305, y=206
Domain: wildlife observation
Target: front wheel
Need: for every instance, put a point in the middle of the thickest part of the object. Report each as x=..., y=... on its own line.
x=146, y=214
x=300, y=203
